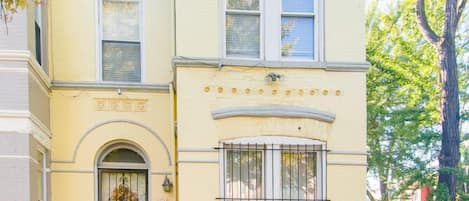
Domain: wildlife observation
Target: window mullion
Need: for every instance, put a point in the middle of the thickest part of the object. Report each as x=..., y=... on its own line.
x=277, y=169
x=272, y=27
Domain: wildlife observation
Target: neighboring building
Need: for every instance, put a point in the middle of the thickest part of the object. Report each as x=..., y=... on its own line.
x=225, y=99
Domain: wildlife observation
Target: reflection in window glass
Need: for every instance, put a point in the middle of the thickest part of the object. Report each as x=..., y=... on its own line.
x=121, y=61
x=242, y=35
x=123, y=156
x=298, y=37
x=120, y=20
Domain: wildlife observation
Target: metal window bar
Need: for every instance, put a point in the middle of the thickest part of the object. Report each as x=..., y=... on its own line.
x=119, y=185
x=245, y=167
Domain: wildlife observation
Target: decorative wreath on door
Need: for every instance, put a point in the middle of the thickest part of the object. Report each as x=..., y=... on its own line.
x=123, y=192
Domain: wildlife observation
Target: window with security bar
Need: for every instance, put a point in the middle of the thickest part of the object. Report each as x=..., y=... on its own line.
x=272, y=172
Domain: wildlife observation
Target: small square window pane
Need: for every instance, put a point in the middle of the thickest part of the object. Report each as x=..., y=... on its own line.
x=243, y=4
x=121, y=61
x=298, y=6
x=242, y=36
x=121, y=20
x=298, y=37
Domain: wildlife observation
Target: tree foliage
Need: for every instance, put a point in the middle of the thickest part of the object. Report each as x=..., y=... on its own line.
x=402, y=101
x=404, y=97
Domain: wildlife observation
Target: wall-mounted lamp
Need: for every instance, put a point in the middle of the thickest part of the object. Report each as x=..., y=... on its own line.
x=273, y=77
x=167, y=185
x=119, y=91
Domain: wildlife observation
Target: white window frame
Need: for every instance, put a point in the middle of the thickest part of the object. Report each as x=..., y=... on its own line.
x=274, y=142
x=100, y=38
x=270, y=22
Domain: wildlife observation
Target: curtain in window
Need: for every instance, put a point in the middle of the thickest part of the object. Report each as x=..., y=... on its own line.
x=121, y=41
x=243, y=28
x=243, y=174
x=299, y=175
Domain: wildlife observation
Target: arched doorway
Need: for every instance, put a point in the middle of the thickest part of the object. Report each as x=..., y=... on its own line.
x=122, y=174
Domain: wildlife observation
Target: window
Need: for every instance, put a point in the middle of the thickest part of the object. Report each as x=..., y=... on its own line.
x=256, y=169
x=122, y=175
x=271, y=29
x=38, y=33
x=120, y=41
x=41, y=176
x=243, y=28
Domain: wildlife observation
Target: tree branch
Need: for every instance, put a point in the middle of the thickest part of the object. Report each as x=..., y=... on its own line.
x=423, y=25
x=370, y=195
x=460, y=10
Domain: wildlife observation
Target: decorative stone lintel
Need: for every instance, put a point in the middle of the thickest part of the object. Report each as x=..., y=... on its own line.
x=282, y=111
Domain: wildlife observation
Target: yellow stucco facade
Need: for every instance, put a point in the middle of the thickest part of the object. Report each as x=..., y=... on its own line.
x=192, y=99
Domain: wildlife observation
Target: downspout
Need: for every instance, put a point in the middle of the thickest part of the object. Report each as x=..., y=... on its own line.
x=173, y=101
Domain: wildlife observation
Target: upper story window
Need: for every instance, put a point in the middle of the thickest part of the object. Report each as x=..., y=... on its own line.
x=121, y=40
x=38, y=33
x=271, y=29
x=272, y=168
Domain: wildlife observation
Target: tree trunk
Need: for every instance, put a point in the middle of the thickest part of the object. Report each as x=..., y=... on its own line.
x=383, y=187
x=450, y=139
x=445, y=44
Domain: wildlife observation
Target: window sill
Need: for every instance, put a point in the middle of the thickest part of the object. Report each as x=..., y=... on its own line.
x=110, y=85
x=220, y=62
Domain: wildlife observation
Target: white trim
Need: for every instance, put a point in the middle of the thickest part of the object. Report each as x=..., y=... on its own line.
x=214, y=62
x=19, y=157
x=44, y=172
x=198, y=161
x=348, y=152
x=13, y=70
x=281, y=111
x=110, y=85
x=25, y=56
x=161, y=173
x=347, y=163
x=71, y=171
x=197, y=150
x=25, y=122
x=44, y=89
x=276, y=140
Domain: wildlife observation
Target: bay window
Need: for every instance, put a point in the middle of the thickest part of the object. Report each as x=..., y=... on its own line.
x=120, y=41
x=271, y=29
x=288, y=170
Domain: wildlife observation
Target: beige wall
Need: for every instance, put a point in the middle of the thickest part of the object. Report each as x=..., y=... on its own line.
x=74, y=39
x=203, y=90
x=39, y=104
x=199, y=25
x=82, y=128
